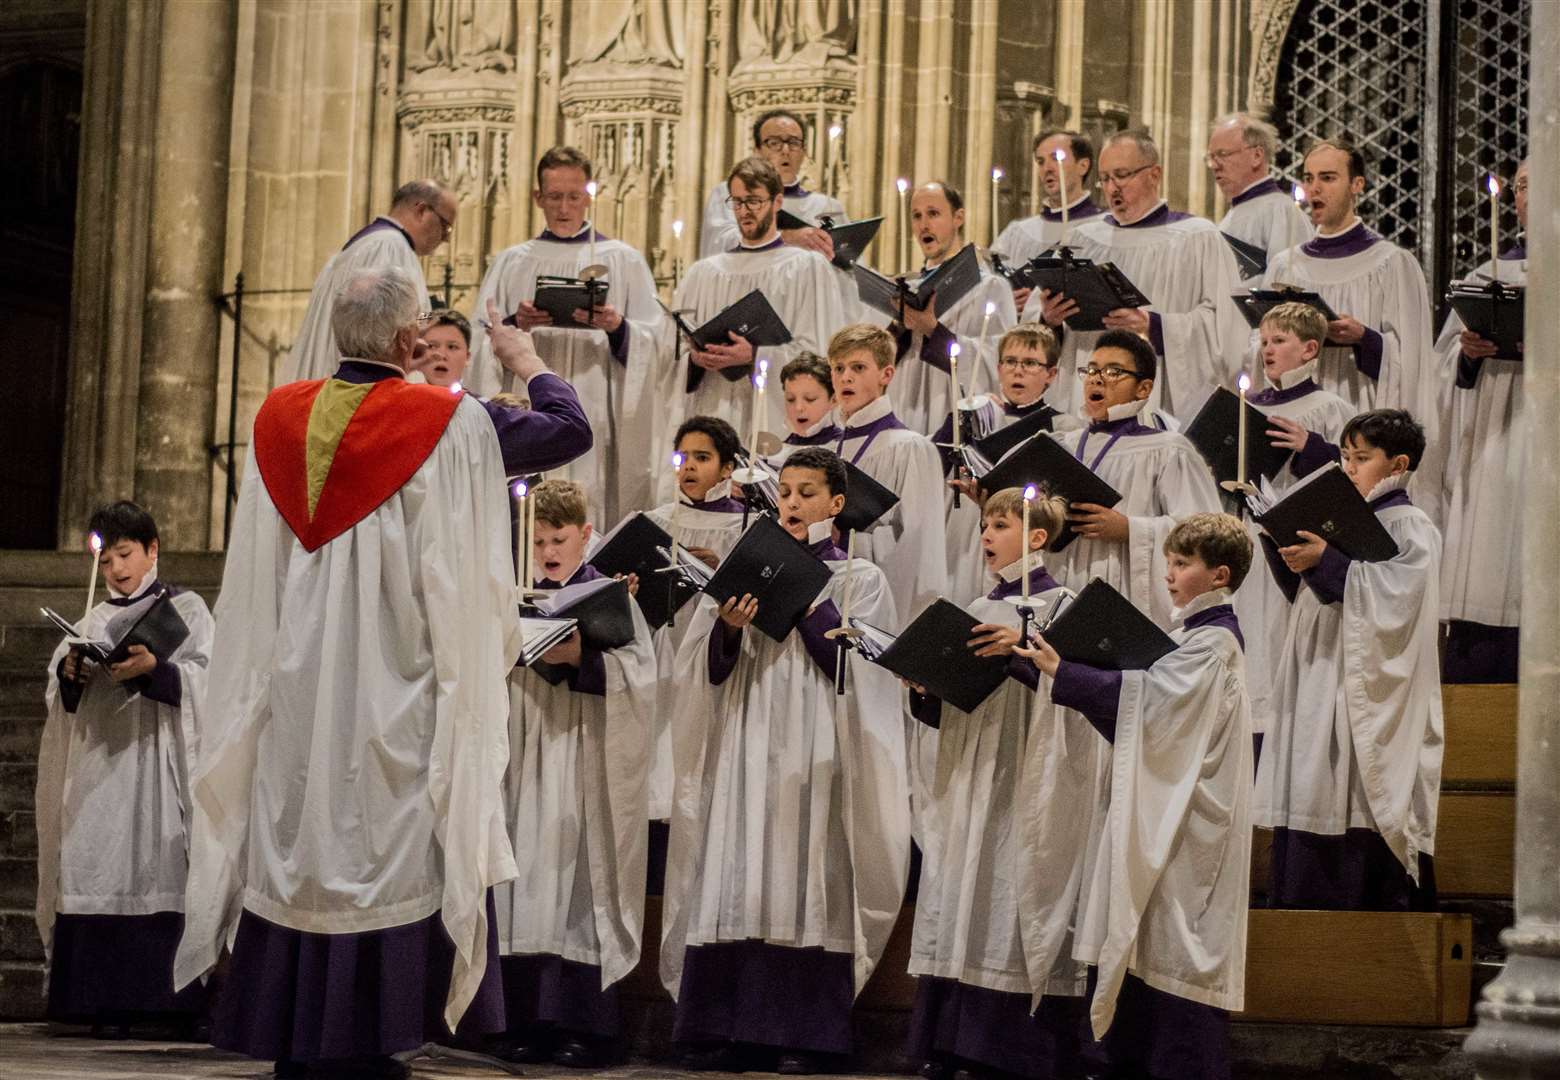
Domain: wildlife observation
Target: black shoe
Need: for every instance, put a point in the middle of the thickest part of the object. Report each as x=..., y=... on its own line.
x=717, y=1057
x=796, y=1063
x=579, y=1053
x=522, y=1051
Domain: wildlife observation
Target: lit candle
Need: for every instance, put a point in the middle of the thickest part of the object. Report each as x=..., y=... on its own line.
x=94, y=546
x=760, y=377
x=904, y=230
x=677, y=229
x=677, y=464
x=1289, y=232
x=590, y=189
x=1244, y=384
x=1494, y=189
x=1029, y=496
x=530, y=536
x=953, y=389
x=522, y=539
x=985, y=321
x=996, y=191
x=1061, y=179
x=850, y=581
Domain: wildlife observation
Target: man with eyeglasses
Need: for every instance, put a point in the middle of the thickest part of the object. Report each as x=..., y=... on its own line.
x=1241, y=149
x=422, y=213
x=1481, y=562
x=612, y=367
x=1066, y=161
x=1180, y=262
x=778, y=138
x=801, y=285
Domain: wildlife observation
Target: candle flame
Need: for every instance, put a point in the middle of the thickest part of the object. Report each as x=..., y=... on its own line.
x=902, y=184
x=455, y=387
x=953, y=350
x=591, y=189
x=522, y=489
x=1244, y=382
x=1493, y=185
x=835, y=131
x=763, y=367
x=95, y=542
x=1059, y=154
x=677, y=228
x=677, y=460
x=758, y=383
x=1299, y=193
x=1030, y=491
x=996, y=174
x=991, y=309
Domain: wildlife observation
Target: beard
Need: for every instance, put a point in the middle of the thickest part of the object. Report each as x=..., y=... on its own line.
x=760, y=227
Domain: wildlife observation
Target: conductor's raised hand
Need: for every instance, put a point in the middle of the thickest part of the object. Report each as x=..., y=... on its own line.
x=737, y=613
x=993, y=639
x=512, y=346
x=1097, y=522
x=1041, y=655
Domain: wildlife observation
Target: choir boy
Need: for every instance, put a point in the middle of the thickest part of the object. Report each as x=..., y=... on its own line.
x=778, y=138
x=1160, y=475
x=119, y=745
x=612, y=366
x=808, y=387
x=575, y=793
x=1307, y=420
x=1162, y=922
x=1069, y=174
x=1481, y=572
x=924, y=338
x=1241, y=149
x=800, y=284
x=1350, y=773
x=972, y=1007
x=1180, y=262
x=790, y=840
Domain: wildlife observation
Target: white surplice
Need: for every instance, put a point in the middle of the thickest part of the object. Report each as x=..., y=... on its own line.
x=314, y=354
x=1270, y=220
x=575, y=797
x=1188, y=273
x=968, y=909
x=790, y=824
x=720, y=232
x=351, y=773
x=1358, y=738
x=1171, y=879
x=1023, y=239
x=113, y=789
x=619, y=396
x=908, y=542
x=1162, y=478
x=1486, y=441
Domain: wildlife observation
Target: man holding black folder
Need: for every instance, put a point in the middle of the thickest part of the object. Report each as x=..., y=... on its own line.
x=1481, y=570
x=1241, y=149
x=778, y=138
x=608, y=351
x=799, y=284
x=1065, y=160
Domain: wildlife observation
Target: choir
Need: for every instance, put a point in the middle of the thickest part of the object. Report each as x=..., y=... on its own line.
x=397, y=832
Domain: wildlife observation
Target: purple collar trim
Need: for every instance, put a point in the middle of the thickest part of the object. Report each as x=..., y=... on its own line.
x=1036, y=406
x=1040, y=580
x=126, y=601
x=352, y=371
x=1274, y=396
x=1083, y=209
x=379, y=225
x=1391, y=498
x=1218, y=615
x=1343, y=245
x=1256, y=191
x=1163, y=216
x=827, y=550
x=724, y=505
x=581, y=237
x=866, y=433
x=817, y=438
x=795, y=191
x=585, y=572
x=1127, y=425
x=776, y=242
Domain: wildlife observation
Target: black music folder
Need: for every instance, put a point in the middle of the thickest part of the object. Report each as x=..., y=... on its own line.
x=1251, y=259
x=850, y=238
x=951, y=281
x=1495, y=311
x=1328, y=504
x=1047, y=463
x=600, y=610
x=935, y=652
x=1097, y=288
x=866, y=501
x=639, y=546
x=1256, y=303
x=1104, y=629
x=157, y=626
x=1216, y=431
x=560, y=297
x=751, y=318
x=537, y=635
x=780, y=573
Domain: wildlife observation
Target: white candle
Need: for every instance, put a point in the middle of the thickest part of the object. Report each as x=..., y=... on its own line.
x=1299, y=196
x=985, y=321
x=904, y=227
x=522, y=544
x=996, y=192
x=760, y=377
x=1061, y=179
x=1029, y=496
x=1244, y=384
x=850, y=554
x=677, y=231
x=94, y=546
x=590, y=189
x=835, y=131
x=953, y=389
x=677, y=463
x=1494, y=189
x=530, y=535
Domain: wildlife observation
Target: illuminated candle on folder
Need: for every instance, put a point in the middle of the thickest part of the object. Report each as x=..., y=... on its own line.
x=94, y=546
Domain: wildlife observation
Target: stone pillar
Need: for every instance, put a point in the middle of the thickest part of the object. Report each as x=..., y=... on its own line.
x=1518, y=1033
x=184, y=269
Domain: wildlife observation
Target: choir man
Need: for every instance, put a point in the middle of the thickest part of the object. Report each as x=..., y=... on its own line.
x=1066, y=163
x=780, y=139
x=1241, y=150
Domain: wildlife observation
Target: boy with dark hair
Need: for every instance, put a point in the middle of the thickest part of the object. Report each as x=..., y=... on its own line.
x=1162, y=919
x=569, y=925
x=789, y=839
x=1350, y=775
x=780, y=138
x=449, y=348
x=808, y=387
x=113, y=778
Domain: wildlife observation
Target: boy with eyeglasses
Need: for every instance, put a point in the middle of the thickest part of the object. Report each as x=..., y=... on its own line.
x=780, y=139
x=1161, y=477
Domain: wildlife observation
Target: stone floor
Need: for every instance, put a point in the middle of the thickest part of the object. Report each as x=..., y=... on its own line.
x=30, y=1052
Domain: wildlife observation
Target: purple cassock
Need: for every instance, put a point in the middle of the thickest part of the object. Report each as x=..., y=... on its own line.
x=1154, y=1034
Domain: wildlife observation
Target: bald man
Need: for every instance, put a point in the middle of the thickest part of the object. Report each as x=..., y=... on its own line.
x=422, y=213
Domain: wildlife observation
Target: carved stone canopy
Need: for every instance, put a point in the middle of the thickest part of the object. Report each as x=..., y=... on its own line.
x=611, y=89
x=465, y=105
x=763, y=84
